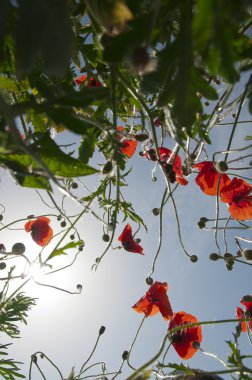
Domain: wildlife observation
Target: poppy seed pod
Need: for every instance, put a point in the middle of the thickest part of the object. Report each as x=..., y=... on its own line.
x=247, y=254
x=102, y=330
x=18, y=248
x=125, y=355
x=149, y=280
x=141, y=137
x=221, y=166
x=1, y=217
x=105, y=238
x=156, y=211
x=2, y=265
x=229, y=267
x=201, y=224
x=79, y=287
x=74, y=185
x=194, y=258
x=214, y=256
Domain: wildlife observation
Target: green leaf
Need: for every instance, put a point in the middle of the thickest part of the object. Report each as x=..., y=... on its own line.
x=82, y=98
x=8, y=84
x=44, y=29
x=70, y=120
x=87, y=146
x=61, y=251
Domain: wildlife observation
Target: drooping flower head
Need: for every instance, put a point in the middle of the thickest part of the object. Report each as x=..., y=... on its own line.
x=183, y=340
x=128, y=243
x=40, y=230
x=155, y=300
x=240, y=313
x=128, y=145
x=170, y=162
x=208, y=178
x=236, y=194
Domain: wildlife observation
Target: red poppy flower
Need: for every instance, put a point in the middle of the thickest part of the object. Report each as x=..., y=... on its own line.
x=183, y=340
x=240, y=314
x=128, y=243
x=128, y=145
x=80, y=80
x=91, y=81
x=208, y=178
x=155, y=300
x=236, y=194
x=157, y=123
x=40, y=230
x=94, y=83
x=171, y=164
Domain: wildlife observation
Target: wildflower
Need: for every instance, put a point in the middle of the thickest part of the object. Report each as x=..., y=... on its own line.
x=184, y=340
x=208, y=178
x=128, y=146
x=40, y=230
x=236, y=194
x=128, y=243
x=170, y=162
x=80, y=80
x=155, y=300
x=92, y=82
x=240, y=313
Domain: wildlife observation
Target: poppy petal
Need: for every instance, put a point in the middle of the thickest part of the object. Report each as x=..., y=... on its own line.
x=128, y=243
x=208, y=178
x=183, y=340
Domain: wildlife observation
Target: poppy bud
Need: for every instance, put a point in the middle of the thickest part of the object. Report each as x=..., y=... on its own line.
x=42, y=356
x=214, y=256
x=239, y=253
x=34, y=358
x=149, y=280
x=156, y=211
x=30, y=216
x=228, y=256
x=141, y=137
x=141, y=154
x=203, y=219
x=59, y=217
x=2, y=248
x=79, y=287
x=81, y=247
x=72, y=237
x=18, y=248
x=194, y=258
x=1, y=217
x=97, y=260
x=106, y=237
x=229, y=267
x=154, y=179
x=74, y=185
x=107, y=167
x=2, y=265
x=201, y=224
x=63, y=224
x=102, y=330
x=125, y=355
x=221, y=166
x=247, y=254
x=206, y=104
